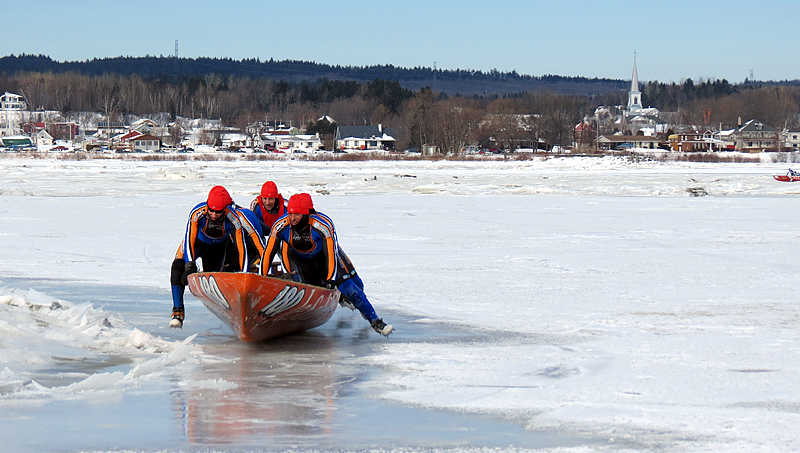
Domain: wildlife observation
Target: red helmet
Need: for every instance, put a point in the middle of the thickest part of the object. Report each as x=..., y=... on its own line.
x=269, y=190
x=218, y=198
x=300, y=204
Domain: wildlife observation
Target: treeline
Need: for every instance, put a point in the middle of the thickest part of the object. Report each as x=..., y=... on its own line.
x=425, y=115
x=173, y=70
x=671, y=97
x=159, y=66
x=715, y=102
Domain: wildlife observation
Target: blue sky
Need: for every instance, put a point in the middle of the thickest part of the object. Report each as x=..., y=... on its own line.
x=673, y=40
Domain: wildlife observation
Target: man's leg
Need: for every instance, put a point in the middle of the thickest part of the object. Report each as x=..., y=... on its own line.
x=356, y=296
x=351, y=290
x=178, y=288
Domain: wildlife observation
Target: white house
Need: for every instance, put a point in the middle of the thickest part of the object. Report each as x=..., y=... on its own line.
x=12, y=108
x=291, y=141
x=791, y=140
x=43, y=139
x=234, y=139
x=146, y=142
x=365, y=138
x=11, y=101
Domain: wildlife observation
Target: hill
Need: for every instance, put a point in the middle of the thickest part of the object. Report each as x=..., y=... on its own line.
x=464, y=82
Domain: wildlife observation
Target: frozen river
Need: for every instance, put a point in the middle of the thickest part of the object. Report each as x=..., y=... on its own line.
x=297, y=392
x=569, y=305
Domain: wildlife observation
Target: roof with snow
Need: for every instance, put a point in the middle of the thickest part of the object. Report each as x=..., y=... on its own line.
x=756, y=125
x=626, y=138
x=130, y=135
x=365, y=132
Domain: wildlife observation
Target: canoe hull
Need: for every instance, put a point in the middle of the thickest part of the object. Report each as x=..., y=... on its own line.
x=786, y=178
x=258, y=308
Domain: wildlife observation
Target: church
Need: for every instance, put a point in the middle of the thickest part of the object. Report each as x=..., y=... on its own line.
x=638, y=119
x=633, y=119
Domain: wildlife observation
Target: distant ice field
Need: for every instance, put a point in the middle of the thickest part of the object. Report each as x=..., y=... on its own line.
x=604, y=302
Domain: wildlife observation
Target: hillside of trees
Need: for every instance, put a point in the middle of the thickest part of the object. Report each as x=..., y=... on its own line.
x=171, y=70
x=419, y=115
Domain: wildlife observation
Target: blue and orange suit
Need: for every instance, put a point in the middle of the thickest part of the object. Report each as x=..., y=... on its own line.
x=233, y=243
x=298, y=252
x=308, y=250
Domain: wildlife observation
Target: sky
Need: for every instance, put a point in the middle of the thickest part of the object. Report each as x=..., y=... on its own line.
x=703, y=39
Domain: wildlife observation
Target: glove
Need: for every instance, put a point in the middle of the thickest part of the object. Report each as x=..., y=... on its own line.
x=190, y=268
x=330, y=284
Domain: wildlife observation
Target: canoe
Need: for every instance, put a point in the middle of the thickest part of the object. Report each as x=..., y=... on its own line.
x=786, y=178
x=258, y=308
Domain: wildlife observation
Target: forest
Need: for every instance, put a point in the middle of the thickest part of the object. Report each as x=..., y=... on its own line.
x=420, y=116
x=173, y=69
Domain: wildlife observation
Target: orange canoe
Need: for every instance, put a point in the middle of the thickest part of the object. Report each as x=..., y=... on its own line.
x=258, y=308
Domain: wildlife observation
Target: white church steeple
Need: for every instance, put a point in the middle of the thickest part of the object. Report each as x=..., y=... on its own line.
x=634, y=96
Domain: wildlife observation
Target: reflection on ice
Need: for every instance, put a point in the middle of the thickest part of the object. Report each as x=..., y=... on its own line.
x=284, y=388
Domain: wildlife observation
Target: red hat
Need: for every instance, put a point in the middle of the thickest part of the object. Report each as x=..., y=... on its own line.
x=300, y=204
x=218, y=198
x=269, y=190
x=307, y=199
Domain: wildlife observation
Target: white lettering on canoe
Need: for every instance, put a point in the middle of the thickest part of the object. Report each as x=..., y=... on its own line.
x=288, y=298
x=210, y=290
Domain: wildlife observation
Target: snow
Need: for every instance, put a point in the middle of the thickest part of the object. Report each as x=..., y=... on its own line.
x=617, y=305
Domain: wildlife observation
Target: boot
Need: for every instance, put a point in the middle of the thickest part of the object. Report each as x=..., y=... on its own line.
x=177, y=318
x=381, y=327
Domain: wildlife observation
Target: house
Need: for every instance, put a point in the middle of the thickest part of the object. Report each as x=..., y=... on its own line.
x=584, y=134
x=234, y=139
x=135, y=140
x=145, y=142
x=144, y=125
x=12, y=112
x=150, y=127
x=791, y=140
x=650, y=125
x=694, y=141
x=111, y=128
x=754, y=136
x=726, y=140
x=63, y=131
x=291, y=141
x=124, y=140
x=42, y=138
x=625, y=142
x=365, y=138
x=11, y=101
x=31, y=128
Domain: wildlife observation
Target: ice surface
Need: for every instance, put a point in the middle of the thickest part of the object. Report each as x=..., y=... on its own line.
x=619, y=306
x=39, y=332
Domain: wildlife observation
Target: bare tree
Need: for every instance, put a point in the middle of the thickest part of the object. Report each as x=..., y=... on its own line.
x=420, y=116
x=456, y=121
x=353, y=112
